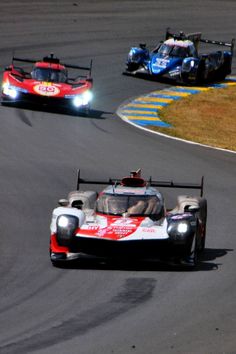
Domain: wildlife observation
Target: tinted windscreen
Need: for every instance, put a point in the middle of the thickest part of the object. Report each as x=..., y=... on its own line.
x=173, y=50
x=49, y=75
x=133, y=205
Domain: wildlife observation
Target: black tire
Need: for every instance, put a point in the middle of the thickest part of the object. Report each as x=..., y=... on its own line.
x=60, y=264
x=225, y=69
x=56, y=263
x=5, y=102
x=200, y=77
x=203, y=221
x=194, y=253
x=132, y=67
x=191, y=259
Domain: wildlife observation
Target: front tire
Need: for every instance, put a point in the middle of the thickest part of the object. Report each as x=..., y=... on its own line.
x=192, y=259
x=132, y=66
x=200, y=77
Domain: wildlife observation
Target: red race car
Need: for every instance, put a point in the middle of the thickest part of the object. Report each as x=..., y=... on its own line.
x=47, y=83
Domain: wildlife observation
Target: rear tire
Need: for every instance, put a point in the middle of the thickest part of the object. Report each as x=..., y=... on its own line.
x=203, y=218
x=225, y=69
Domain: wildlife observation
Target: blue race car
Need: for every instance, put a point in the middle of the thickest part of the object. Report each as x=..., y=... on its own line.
x=177, y=58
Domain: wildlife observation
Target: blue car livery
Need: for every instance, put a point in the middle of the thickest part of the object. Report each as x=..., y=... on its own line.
x=178, y=58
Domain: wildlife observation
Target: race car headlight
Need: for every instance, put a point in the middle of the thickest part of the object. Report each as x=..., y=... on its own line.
x=12, y=91
x=66, y=227
x=182, y=227
x=63, y=221
x=189, y=65
x=134, y=56
x=77, y=101
x=9, y=91
x=83, y=99
x=179, y=231
x=87, y=97
x=131, y=54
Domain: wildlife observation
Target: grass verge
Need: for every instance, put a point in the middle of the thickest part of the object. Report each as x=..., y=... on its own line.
x=208, y=118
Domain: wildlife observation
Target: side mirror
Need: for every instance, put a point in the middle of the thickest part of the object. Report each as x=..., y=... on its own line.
x=63, y=202
x=191, y=208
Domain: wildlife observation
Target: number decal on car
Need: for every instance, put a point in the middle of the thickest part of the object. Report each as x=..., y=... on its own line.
x=46, y=89
x=162, y=63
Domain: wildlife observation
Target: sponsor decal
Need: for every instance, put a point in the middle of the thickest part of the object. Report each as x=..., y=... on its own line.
x=162, y=63
x=117, y=228
x=123, y=227
x=46, y=89
x=175, y=72
x=92, y=227
x=123, y=222
x=148, y=230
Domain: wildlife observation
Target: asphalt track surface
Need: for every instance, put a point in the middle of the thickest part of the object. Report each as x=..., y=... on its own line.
x=107, y=309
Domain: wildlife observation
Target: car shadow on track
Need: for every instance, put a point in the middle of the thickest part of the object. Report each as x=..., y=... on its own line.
x=92, y=113
x=169, y=81
x=205, y=264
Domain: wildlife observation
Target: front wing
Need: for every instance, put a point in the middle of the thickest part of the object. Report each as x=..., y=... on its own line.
x=160, y=249
x=40, y=100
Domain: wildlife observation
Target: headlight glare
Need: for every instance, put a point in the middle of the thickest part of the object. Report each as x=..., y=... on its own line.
x=77, y=101
x=180, y=230
x=182, y=227
x=66, y=227
x=12, y=91
x=87, y=97
x=63, y=221
x=83, y=99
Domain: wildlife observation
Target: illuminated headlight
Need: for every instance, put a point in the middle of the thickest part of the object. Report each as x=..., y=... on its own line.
x=133, y=56
x=188, y=65
x=63, y=221
x=66, y=227
x=182, y=227
x=78, y=101
x=12, y=91
x=87, y=97
x=179, y=231
x=192, y=63
x=9, y=91
x=130, y=55
x=83, y=99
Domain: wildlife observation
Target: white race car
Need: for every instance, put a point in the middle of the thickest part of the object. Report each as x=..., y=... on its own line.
x=129, y=220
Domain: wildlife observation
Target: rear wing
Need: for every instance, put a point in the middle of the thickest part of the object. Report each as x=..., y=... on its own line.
x=89, y=68
x=197, y=37
x=226, y=44
x=171, y=184
x=53, y=60
x=149, y=182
